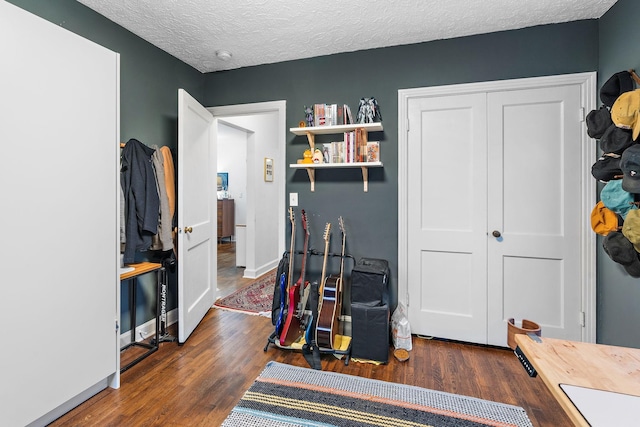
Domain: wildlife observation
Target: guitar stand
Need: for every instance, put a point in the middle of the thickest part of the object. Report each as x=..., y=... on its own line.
x=274, y=339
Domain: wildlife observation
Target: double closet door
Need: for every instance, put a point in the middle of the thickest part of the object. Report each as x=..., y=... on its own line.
x=494, y=211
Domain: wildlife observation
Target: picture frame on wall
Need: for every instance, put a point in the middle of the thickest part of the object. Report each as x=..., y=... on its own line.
x=223, y=181
x=268, y=169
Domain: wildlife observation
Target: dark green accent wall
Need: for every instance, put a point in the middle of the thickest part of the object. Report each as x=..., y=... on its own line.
x=618, y=294
x=371, y=218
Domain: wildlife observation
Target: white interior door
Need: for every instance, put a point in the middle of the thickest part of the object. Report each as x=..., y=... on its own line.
x=197, y=229
x=504, y=157
x=448, y=216
x=534, y=203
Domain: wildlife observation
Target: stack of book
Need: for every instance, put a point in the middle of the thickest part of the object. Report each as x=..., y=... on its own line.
x=331, y=115
x=354, y=148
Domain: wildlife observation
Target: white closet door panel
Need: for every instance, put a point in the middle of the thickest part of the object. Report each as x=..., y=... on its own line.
x=59, y=128
x=532, y=167
x=447, y=216
x=535, y=202
x=544, y=303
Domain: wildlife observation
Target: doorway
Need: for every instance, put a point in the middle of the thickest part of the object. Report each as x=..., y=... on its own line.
x=494, y=199
x=264, y=207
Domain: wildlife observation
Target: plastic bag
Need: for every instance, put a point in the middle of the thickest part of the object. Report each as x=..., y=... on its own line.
x=401, y=329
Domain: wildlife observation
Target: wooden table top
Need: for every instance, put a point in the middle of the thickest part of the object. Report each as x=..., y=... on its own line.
x=597, y=366
x=140, y=268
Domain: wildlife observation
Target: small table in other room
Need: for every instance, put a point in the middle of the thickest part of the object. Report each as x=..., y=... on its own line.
x=131, y=276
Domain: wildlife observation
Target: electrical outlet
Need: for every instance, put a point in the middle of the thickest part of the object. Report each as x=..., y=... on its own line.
x=293, y=199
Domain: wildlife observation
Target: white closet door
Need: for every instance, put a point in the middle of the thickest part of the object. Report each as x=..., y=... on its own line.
x=534, y=202
x=447, y=216
x=482, y=160
x=59, y=254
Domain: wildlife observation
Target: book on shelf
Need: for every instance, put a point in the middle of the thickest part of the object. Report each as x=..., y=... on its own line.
x=331, y=115
x=354, y=148
x=373, y=151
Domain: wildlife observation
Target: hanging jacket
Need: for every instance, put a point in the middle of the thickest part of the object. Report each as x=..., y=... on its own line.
x=141, y=197
x=163, y=240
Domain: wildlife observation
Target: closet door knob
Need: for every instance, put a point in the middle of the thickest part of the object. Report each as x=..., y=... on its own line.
x=188, y=229
x=496, y=233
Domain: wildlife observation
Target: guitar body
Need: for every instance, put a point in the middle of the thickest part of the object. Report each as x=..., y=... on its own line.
x=291, y=329
x=329, y=314
x=330, y=305
x=283, y=303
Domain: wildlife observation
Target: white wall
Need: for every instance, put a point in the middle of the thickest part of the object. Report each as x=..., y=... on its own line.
x=232, y=158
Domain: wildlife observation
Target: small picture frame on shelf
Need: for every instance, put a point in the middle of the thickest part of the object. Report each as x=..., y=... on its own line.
x=268, y=169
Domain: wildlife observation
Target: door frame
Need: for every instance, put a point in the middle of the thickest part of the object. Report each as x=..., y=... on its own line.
x=587, y=82
x=280, y=107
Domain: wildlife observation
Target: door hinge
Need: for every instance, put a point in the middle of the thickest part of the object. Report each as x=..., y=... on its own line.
x=117, y=326
x=582, y=319
x=407, y=125
x=581, y=112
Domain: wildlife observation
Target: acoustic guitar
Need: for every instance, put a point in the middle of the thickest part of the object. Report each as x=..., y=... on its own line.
x=284, y=289
x=292, y=325
x=329, y=314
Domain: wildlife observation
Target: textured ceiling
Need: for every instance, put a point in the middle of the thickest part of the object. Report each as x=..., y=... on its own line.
x=268, y=31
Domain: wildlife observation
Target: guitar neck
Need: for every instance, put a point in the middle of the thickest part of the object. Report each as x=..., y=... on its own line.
x=326, y=253
x=292, y=248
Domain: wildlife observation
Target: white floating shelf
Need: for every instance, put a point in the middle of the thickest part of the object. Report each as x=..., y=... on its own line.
x=311, y=170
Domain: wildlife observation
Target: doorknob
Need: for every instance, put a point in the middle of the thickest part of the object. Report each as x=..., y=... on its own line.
x=188, y=229
x=496, y=233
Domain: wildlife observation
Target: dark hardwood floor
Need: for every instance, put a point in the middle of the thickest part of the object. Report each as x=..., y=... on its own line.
x=198, y=383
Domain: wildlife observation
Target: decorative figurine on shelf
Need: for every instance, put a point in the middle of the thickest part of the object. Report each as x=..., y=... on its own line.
x=368, y=111
x=318, y=157
x=307, y=156
x=308, y=115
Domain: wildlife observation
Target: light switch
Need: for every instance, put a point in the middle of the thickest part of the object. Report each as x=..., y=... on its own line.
x=293, y=199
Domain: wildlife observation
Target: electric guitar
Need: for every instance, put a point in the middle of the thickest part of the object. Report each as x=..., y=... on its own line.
x=284, y=289
x=292, y=326
x=326, y=327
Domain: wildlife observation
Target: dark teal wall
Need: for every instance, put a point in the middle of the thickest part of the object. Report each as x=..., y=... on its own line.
x=618, y=297
x=149, y=82
x=371, y=218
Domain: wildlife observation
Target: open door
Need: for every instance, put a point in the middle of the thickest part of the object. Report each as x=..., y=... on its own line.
x=197, y=277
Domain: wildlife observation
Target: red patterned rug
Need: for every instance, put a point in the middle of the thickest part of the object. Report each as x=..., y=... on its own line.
x=256, y=298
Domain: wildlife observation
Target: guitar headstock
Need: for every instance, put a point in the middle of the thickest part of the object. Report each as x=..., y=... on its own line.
x=327, y=229
x=341, y=222
x=291, y=216
x=305, y=223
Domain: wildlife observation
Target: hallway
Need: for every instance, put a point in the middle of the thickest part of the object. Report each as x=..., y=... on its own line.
x=229, y=276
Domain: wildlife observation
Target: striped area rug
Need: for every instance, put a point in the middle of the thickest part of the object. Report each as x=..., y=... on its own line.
x=285, y=395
